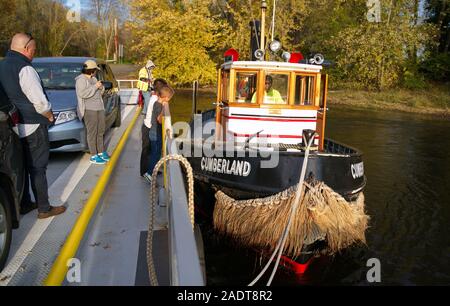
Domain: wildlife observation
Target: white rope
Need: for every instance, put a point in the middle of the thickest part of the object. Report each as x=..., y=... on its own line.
x=280, y=246
x=273, y=18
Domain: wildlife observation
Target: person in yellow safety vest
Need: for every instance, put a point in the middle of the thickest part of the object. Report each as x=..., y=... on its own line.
x=145, y=83
x=271, y=96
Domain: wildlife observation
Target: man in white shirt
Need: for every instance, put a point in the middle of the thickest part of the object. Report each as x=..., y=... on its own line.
x=24, y=89
x=145, y=152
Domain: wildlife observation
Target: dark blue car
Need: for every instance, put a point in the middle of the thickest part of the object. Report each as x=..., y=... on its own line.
x=58, y=75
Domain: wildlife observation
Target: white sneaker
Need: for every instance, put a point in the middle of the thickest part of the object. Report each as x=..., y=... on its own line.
x=147, y=177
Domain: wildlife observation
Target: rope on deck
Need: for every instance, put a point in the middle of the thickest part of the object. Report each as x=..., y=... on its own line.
x=153, y=199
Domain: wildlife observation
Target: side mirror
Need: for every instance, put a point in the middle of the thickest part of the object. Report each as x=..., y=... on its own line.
x=108, y=85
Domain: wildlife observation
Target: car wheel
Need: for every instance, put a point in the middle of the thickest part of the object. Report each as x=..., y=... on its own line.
x=5, y=229
x=118, y=120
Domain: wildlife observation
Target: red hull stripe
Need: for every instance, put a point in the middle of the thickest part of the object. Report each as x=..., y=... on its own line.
x=271, y=136
x=270, y=119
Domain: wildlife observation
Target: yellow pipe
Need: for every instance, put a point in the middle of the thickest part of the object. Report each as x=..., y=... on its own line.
x=68, y=251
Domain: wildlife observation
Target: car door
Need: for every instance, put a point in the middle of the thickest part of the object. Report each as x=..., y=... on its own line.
x=114, y=92
x=108, y=97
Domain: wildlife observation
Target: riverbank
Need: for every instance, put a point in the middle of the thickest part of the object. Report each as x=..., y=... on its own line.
x=432, y=101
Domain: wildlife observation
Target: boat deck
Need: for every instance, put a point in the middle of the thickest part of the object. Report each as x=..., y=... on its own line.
x=113, y=251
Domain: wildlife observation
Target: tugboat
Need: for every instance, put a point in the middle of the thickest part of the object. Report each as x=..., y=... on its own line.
x=253, y=144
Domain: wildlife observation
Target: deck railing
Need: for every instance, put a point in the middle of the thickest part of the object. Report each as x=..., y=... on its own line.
x=132, y=84
x=185, y=266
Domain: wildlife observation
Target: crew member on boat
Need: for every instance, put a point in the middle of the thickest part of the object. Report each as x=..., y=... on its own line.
x=271, y=96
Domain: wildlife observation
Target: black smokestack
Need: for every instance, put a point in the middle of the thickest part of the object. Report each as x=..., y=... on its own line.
x=255, y=37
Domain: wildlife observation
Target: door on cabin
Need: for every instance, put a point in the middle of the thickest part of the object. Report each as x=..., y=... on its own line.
x=321, y=113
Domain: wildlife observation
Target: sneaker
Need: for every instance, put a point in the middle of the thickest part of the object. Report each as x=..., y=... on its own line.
x=97, y=160
x=26, y=208
x=54, y=211
x=105, y=156
x=147, y=177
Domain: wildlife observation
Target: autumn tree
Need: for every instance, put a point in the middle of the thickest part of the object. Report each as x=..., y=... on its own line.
x=178, y=36
x=377, y=55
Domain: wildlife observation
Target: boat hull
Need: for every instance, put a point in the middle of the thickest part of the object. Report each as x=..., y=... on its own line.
x=247, y=174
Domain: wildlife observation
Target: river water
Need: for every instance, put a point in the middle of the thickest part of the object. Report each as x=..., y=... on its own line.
x=407, y=164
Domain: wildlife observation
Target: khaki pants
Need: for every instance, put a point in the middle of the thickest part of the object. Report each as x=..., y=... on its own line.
x=95, y=130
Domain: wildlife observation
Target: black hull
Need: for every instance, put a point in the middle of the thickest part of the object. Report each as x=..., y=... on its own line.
x=340, y=167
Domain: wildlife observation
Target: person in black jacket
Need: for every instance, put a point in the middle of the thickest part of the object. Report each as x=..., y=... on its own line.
x=25, y=90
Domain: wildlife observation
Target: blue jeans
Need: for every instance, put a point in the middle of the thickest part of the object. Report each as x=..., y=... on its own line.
x=155, y=149
x=146, y=95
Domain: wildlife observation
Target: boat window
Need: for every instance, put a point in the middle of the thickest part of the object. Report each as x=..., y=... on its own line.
x=245, y=86
x=276, y=89
x=304, y=90
x=225, y=85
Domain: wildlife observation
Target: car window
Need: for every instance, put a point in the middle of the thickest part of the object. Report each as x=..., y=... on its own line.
x=58, y=75
x=110, y=74
x=101, y=75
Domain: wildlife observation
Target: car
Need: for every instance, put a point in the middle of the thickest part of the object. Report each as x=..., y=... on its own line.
x=58, y=74
x=12, y=174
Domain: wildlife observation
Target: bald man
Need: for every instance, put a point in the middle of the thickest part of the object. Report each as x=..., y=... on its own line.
x=24, y=89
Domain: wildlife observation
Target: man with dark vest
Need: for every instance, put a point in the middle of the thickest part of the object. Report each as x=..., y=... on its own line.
x=25, y=90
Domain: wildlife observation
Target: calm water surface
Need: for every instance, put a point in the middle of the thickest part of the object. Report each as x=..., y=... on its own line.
x=407, y=164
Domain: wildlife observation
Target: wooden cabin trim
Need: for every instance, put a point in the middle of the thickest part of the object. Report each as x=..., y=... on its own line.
x=260, y=89
x=317, y=91
x=292, y=87
x=218, y=107
x=219, y=86
x=273, y=106
x=272, y=66
x=224, y=84
x=322, y=112
x=232, y=86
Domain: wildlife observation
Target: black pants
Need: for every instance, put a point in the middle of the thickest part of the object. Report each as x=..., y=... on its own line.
x=37, y=149
x=145, y=153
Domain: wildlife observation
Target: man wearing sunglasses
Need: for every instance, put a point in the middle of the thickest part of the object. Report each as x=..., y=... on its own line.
x=24, y=89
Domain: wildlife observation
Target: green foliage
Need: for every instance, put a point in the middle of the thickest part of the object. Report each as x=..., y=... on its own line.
x=186, y=39
x=376, y=55
x=178, y=38
x=437, y=67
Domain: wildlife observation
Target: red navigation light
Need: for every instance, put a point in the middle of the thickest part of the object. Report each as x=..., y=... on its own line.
x=296, y=57
x=231, y=55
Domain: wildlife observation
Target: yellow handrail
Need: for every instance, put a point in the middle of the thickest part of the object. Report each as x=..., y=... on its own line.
x=68, y=251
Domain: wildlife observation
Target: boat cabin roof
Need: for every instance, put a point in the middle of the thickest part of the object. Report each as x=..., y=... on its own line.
x=282, y=66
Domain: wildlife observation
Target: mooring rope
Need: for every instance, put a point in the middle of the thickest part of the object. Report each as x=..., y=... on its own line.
x=280, y=246
x=153, y=199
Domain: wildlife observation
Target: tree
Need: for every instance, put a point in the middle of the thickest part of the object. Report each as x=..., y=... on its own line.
x=106, y=13
x=378, y=55
x=178, y=37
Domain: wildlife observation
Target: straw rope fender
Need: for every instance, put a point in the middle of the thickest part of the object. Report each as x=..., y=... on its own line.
x=277, y=199
x=153, y=200
x=231, y=216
